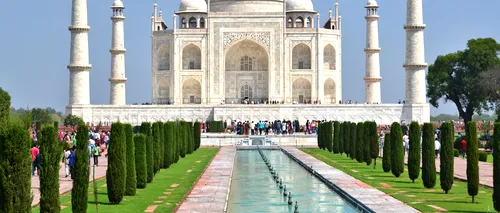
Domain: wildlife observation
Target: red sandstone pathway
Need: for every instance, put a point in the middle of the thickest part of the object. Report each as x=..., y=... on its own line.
x=65, y=183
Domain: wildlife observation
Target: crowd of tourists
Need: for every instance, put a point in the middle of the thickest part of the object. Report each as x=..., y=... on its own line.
x=277, y=127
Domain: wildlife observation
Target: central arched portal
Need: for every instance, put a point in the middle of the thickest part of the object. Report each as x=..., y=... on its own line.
x=246, y=65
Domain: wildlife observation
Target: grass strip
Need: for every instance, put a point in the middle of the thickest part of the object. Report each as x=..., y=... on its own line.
x=413, y=194
x=163, y=191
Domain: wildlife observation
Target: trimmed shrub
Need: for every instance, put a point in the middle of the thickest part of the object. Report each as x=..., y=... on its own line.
x=170, y=142
x=116, y=174
x=353, y=136
x=496, y=167
x=215, y=126
x=140, y=160
x=146, y=130
x=190, y=145
x=328, y=136
x=374, y=142
x=50, y=157
x=161, y=145
x=321, y=136
x=414, y=151
x=341, y=137
x=456, y=153
x=131, y=184
x=472, y=159
x=80, y=173
x=447, y=157
x=397, y=150
x=181, y=137
x=428, y=156
x=176, y=144
x=483, y=156
x=197, y=135
x=336, y=137
x=15, y=178
x=4, y=106
x=360, y=143
x=156, y=146
x=367, y=158
x=347, y=138
x=166, y=149
x=386, y=156
x=297, y=126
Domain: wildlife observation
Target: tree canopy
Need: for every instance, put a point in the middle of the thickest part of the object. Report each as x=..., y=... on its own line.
x=456, y=77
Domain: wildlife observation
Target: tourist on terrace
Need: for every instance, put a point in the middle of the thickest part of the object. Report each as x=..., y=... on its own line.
x=437, y=147
x=463, y=147
x=35, y=157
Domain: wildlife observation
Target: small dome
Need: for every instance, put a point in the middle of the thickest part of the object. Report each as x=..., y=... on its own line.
x=372, y=3
x=299, y=5
x=193, y=6
x=118, y=3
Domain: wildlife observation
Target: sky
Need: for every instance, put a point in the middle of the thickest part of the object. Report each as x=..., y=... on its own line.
x=35, y=44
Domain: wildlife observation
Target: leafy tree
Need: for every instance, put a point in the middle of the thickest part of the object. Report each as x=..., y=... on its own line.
x=50, y=157
x=447, y=157
x=428, y=156
x=72, y=120
x=456, y=77
x=80, y=174
x=336, y=137
x=41, y=116
x=15, y=168
x=367, y=158
x=146, y=130
x=374, y=142
x=496, y=167
x=140, y=160
x=386, y=157
x=472, y=159
x=4, y=105
x=353, y=136
x=397, y=151
x=414, y=152
x=116, y=174
x=197, y=135
x=360, y=142
x=131, y=178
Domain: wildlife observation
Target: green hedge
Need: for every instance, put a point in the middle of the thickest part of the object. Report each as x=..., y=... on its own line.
x=146, y=130
x=397, y=150
x=140, y=160
x=116, y=174
x=15, y=178
x=496, y=167
x=50, y=158
x=360, y=142
x=215, y=126
x=81, y=172
x=414, y=151
x=456, y=153
x=131, y=181
x=386, y=157
x=483, y=156
x=428, y=156
x=447, y=157
x=472, y=159
x=353, y=136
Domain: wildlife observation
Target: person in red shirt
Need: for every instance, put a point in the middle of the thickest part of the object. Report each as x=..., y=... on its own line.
x=34, y=152
x=463, y=146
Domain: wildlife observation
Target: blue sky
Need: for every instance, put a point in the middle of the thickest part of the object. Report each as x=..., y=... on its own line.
x=35, y=45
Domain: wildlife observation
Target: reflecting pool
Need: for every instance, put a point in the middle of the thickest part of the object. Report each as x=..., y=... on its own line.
x=253, y=188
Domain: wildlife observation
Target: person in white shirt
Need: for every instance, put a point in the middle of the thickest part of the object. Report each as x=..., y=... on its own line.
x=437, y=147
x=67, y=153
x=406, y=142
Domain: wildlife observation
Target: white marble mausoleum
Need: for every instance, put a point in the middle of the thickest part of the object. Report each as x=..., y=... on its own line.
x=217, y=55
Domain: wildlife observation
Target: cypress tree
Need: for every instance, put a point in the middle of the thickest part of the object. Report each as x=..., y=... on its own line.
x=353, y=136
x=328, y=136
x=50, y=157
x=81, y=172
x=414, y=152
x=146, y=130
x=336, y=137
x=386, y=157
x=496, y=167
x=397, y=151
x=374, y=142
x=131, y=183
x=347, y=138
x=341, y=137
x=161, y=143
x=156, y=146
x=166, y=154
x=360, y=142
x=197, y=135
x=15, y=178
x=140, y=160
x=170, y=142
x=181, y=137
x=116, y=174
x=4, y=107
x=367, y=158
x=428, y=156
x=190, y=138
x=446, y=159
x=472, y=159
x=319, y=139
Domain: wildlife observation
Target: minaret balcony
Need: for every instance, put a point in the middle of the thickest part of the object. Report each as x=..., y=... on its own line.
x=415, y=27
x=79, y=28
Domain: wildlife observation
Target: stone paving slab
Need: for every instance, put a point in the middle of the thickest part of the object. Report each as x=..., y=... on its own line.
x=211, y=192
x=66, y=183
x=369, y=196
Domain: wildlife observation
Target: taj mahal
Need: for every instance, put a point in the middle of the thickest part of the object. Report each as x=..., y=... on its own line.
x=247, y=60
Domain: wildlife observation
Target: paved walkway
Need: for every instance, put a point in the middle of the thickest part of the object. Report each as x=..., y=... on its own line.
x=211, y=192
x=369, y=196
x=65, y=183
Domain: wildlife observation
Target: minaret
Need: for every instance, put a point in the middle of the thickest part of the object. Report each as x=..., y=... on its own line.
x=79, y=66
x=372, y=77
x=415, y=57
x=117, y=79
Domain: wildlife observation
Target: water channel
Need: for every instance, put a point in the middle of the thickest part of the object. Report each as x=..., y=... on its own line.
x=253, y=188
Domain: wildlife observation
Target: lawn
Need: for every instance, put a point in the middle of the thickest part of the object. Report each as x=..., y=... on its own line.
x=160, y=192
x=414, y=194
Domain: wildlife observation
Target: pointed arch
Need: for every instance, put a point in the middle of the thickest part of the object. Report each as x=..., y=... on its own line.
x=330, y=91
x=164, y=58
x=192, y=22
x=301, y=90
x=191, y=57
x=191, y=91
x=301, y=57
x=329, y=57
x=183, y=23
x=289, y=22
x=202, y=22
x=299, y=22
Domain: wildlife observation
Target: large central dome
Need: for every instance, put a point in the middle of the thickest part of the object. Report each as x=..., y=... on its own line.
x=245, y=6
